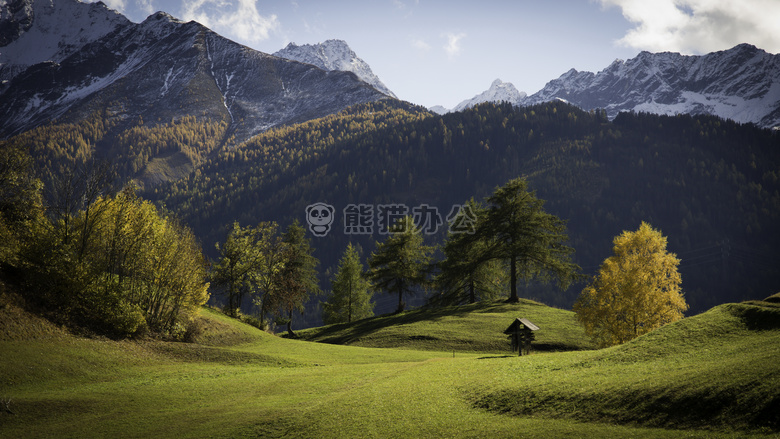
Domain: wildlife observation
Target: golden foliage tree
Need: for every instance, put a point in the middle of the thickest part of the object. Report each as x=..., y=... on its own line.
x=636, y=290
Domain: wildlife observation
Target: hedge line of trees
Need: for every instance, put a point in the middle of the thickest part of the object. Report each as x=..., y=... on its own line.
x=114, y=264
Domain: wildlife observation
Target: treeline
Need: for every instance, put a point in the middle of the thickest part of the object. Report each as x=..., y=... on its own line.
x=709, y=184
x=511, y=238
x=276, y=272
x=89, y=258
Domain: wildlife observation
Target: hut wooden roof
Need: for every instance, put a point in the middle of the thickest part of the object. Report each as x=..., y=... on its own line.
x=524, y=323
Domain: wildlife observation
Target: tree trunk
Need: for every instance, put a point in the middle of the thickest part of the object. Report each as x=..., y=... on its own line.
x=513, y=281
x=289, y=326
x=400, y=299
x=349, y=306
x=472, y=296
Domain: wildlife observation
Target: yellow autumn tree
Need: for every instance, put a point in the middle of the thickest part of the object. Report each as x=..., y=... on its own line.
x=636, y=290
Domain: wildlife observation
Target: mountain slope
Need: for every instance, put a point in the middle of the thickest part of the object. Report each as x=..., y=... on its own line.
x=334, y=55
x=163, y=69
x=741, y=84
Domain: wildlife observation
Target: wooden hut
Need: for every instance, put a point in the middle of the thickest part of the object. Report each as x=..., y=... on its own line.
x=521, y=332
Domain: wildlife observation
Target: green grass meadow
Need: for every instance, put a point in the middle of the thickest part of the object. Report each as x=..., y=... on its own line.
x=441, y=373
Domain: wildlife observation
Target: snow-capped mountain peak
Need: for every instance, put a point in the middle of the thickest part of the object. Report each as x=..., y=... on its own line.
x=334, y=55
x=499, y=91
x=160, y=69
x=742, y=84
x=34, y=31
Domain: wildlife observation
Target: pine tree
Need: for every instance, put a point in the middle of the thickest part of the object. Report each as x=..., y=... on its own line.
x=401, y=264
x=468, y=272
x=350, y=297
x=518, y=230
x=298, y=277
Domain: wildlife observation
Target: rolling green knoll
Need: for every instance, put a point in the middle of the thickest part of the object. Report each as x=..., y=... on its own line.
x=476, y=327
x=240, y=382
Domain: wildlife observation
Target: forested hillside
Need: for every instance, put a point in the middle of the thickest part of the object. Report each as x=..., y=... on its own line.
x=146, y=153
x=708, y=184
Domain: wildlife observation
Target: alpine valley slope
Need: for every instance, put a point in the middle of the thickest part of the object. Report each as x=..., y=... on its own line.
x=741, y=84
x=158, y=70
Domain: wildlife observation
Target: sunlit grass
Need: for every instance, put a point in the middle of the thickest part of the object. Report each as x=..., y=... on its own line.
x=253, y=384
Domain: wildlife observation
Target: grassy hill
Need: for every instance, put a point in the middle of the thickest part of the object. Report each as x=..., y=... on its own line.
x=469, y=328
x=712, y=375
x=717, y=370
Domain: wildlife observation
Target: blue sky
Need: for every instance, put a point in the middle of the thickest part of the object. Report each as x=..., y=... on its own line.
x=442, y=52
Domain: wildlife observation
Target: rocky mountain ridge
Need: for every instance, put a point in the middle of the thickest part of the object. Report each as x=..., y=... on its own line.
x=160, y=69
x=741, y=84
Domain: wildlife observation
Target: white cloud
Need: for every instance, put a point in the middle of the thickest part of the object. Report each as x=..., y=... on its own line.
x=700, y=26
x=453, y=44
x=117, y=5
x=145, y=6
x=421, y=45
x=238, y=19
x=402, y=5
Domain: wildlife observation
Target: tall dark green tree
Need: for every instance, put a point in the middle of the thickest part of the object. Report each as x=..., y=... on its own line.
x=350, y=297
x=298, y=274
x=401, y=264
x=533, y=242
x=469, y=272
x=239, y=259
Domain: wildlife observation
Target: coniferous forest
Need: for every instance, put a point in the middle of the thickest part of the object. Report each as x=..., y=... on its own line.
x=710, y=185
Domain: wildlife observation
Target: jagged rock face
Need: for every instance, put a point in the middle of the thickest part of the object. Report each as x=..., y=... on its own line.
x=334, y=55
x=163, y=68
x=742, y=84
